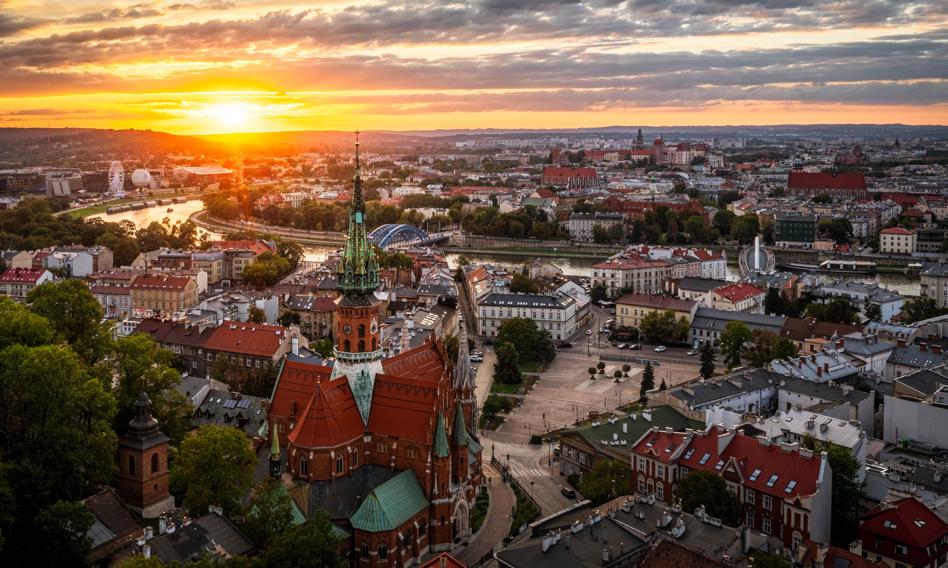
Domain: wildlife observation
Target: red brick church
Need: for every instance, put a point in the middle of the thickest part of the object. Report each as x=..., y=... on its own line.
x=384, y=445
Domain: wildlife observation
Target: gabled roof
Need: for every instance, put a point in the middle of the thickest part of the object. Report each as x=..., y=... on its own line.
x=21, y=275
x=739, y=291
x=895, y=231
x=657, y=302
x=403, y=407
x=908, y=521
x=660, y=445
x=258, y=339
x=391, y=504
x=295, y=384
x=423, y=363
x=161, y=281
x=818, y=180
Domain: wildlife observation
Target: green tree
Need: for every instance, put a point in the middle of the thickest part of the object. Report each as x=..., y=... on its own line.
x=214, y=466
x=268, y=269
x=839, y=310
x=735, y=335
x=597, y=293
x=453, y=346
x=19, y=326
x=64, y=528
x=531, y=342
x=256, y=315
x=873, y=312
x=722, y=221
x=310, y=545
x=75, y=314
x=287, y=319
x=840, y=230
x=507, y=367
x=269, y=513
x=921, y=308
x=648, y=379
x=141, y=365
x=322, y=346
x=663, y=327
x=522, y=283
x=705, y=488
x=707, y=361
x=766, y=346
x=847, y=490
x=607, y=479
x=745, y=228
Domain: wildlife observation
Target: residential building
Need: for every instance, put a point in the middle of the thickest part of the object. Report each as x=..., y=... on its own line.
x=838, y=401
x=210, y=262
x=159, y=294
x=904, y=534
x=631, y=308
x=696, y=289
x=630, y=275
x=113, y=290
x=929, y=238
x=555, y=313
x=860, y=293
x=811, y=335
x=746, y=390
x=867, y=351
x=581, y=226
x=896, y=240
x=611, y=437
x=739, y=297
x=820, y=367
x=934, y=283
x=238, y=255
x=835, y=184
x=211, y=535
x=17, y=258
x=785, y=489
x=708, y=324
x=794, y=229
x=794, y=425
x=907, y=358
x=16, y=283
x=317, y=315
x=917, y=411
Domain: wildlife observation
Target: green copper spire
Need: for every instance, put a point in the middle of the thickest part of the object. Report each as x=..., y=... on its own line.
x=441, y=448
x=358, y=269
x=276, y=468
x=460, y=428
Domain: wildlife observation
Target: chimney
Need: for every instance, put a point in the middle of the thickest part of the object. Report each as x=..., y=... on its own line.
x=146, y=551
x=800, y=364
x=900, y=342
x=936, y=348
x=923, y=347
x=840, y=343
x=826, y=368
x=295, y=345
x=819, y=371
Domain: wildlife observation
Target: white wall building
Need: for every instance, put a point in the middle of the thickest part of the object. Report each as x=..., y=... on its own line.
x=555, y=313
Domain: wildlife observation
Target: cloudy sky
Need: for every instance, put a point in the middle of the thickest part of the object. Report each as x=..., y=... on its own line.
x=199, y=66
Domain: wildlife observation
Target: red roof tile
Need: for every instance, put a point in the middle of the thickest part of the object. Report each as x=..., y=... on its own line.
x=896, y=231
x=331, y=417
x=657, y=302
x=404, y=408
x=819, y=180
x=562, y=171
x=256, y=246
x=908, y=521
x=423, y=362
x=258, y=339
x=739, y=291
x=296, y=383
x=659, y=445
x=669, y=554
x=160, y=281
x=21, y=276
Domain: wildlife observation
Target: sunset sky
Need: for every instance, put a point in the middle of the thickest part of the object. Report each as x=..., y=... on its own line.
x=204, y=66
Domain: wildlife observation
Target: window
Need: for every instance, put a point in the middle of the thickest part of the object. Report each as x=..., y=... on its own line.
x=422, y=529
x=355, y=457
x=749, y=496
x=750, y=518
x=660, y=491
x=719, y=465
x=383, y=552
x=131, y=465
x=365, y=551
x=704, y=458
x=340, y=465
x=641, y=464
x=768, y=502
x=790, y=486
x=797, y=540
x=641, y=484
x=304, y=466
x=660, y=471
x=765, y=525
x=901, y=549
x=689, y=453
x=772, y=480
x=154, y=463
x=361, y=330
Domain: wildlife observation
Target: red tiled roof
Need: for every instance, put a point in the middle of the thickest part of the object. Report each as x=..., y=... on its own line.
x=444, y=560
x=908, y=521
x=629, y=264
x=739, y=291
x=331, y=417
x=403, y=407
x=21, y=275
x=112, y=290
x=257, y=339
x=819, y=180
x=423, y=362
x=296, y=383
x=657, y=302
x=659, y=444
x=256, y=246
x=896, y=231
x=670, y=554
x=772, y=459
x=161, y=281
x=563, y=171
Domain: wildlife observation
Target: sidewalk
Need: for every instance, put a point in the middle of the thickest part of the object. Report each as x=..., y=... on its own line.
x=496, y=524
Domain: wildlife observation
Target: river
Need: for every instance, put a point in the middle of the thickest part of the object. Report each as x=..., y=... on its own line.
x=905, y=285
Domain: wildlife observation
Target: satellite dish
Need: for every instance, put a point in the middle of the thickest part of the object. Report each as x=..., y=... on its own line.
x=141, y=178
x=116, y=178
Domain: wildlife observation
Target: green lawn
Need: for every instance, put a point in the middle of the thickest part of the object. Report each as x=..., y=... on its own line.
x=531, y=366
x=502, y=388
x=479, y=511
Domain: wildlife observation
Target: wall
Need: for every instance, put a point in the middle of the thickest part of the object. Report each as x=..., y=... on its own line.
x=907, y=419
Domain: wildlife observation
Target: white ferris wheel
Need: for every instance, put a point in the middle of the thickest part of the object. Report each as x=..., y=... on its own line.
x=116, y=178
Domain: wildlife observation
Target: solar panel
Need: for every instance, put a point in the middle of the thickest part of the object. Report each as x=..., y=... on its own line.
x=230, y=403
x=244, y=403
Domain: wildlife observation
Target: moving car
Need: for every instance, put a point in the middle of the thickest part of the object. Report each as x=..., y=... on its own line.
x=660, y=349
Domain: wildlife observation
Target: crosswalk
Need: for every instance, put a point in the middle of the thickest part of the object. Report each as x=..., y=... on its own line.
x=521, y=471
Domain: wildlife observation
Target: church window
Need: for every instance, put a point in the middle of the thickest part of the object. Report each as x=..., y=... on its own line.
x=422, y=529
x=361, y=330
x=154, y=463
x=375, y=343
x=304, y=466
x=340, y=465
x=131, y=465
x=365, y=551
x=383, y=552
x=361, y=346
x=355, y=458
x=347, y=347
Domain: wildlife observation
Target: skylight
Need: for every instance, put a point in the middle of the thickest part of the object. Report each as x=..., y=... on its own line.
x=719, y=465
x=790, y=486
x=755, y=475
x=772, y=480
x=704, y=458
x=689, y=453
x=890, y=525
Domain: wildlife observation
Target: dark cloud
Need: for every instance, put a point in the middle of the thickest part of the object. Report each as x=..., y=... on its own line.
x=11, y=24
x=135, y=12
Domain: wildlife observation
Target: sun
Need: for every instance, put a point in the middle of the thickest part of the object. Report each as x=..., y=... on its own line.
x=230, y=115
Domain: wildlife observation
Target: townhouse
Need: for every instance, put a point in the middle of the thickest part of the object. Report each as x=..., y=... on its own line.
x=630, y=275
x=159, y=294
x=632, y=308
x=903, y=533
x=739, y=297
x=16, y=283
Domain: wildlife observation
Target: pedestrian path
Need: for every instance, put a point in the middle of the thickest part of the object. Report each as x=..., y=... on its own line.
x=520, y=471
x=496, y=524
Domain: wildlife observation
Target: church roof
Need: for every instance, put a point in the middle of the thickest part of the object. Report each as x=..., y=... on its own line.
x=391, y=504
x=403, y=407
x=424, y=363
x=460, y=429
x=441, y=449
x=295, y=384
x=332, y=417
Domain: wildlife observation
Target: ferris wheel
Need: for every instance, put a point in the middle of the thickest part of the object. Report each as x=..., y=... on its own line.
x=116, y=178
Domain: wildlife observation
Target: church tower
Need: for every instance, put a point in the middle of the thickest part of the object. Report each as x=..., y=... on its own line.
x=143, y=463
x=358, y=351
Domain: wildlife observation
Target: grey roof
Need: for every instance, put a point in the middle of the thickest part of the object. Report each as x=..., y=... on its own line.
x=340, y=498
x=822, y=366
x=190, y=385
x=597, y=216
x=700, y=284
x=925, y=381
x=913, y=356
x=437, y=290
x=698, y=394
x=859, y=289
x=635, y=424
x=866, y=346
x=783, y=216
x=817, y=426
x=557, y=301
x=824, y=391
x=924, y=475
x=202, y=537
x=717, y=320
x=222, y=408
x=936, y=269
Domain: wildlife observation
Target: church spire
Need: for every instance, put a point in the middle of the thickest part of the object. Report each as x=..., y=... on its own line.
x=358, y=268
x=276, y=470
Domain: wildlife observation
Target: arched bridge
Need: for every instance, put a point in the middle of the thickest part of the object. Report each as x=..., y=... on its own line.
x=399, y=235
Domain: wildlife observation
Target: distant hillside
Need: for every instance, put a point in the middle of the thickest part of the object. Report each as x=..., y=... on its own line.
x=314, y=140
x=53, y=146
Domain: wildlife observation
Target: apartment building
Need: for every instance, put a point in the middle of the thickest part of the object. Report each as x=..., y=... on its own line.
x=555, y=313
x=159, y=294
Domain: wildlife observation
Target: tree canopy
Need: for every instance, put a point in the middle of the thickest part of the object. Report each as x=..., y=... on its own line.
x=736, y=335
x=705, y=488
x=530, y=342
x=607, y=479
x=214, y=466
x=663, y=327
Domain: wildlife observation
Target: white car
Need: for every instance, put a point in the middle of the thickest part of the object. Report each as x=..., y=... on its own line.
x=589, y=332
x=660, y=349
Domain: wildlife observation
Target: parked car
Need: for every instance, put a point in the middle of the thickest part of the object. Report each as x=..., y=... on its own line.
x=635, y=346
x=589, y=332
x=568, y=493
x=566, y=345
x=691, y=353
x=621, y=346
x=660, y=349
x=476, y=359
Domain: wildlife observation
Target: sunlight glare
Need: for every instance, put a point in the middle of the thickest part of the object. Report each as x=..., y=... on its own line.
x=230, y=115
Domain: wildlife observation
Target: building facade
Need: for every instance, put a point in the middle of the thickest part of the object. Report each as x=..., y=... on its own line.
x=896, y=240
x=555, y=313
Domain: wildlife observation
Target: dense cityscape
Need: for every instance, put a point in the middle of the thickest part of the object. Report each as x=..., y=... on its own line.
x=290, y=286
